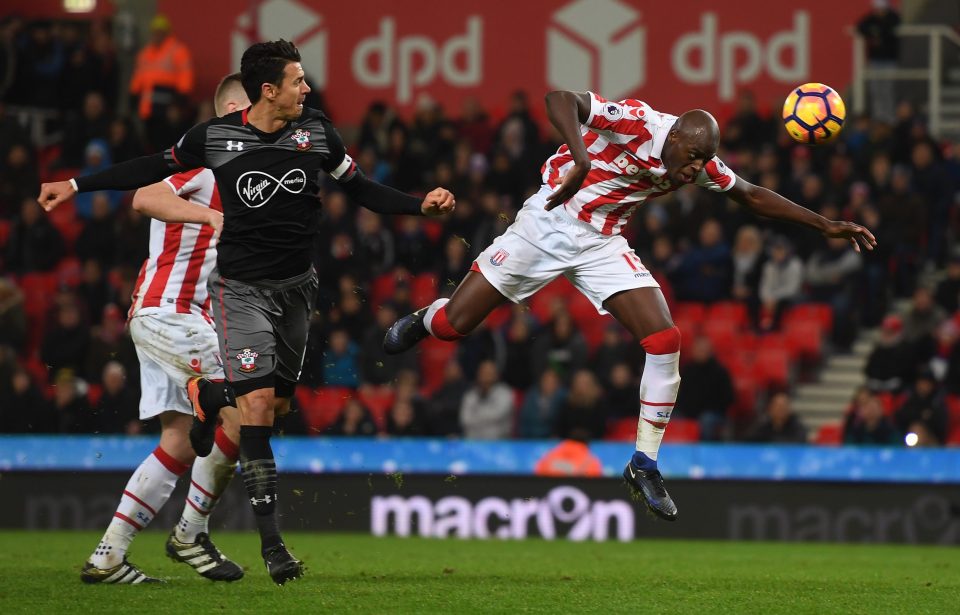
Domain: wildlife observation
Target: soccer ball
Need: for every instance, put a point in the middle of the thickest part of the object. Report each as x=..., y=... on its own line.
x=813, y=114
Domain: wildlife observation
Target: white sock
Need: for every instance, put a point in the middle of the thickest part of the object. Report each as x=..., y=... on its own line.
x=431, y=312
x=208, y=481
x=146, y=492
x=658, y=393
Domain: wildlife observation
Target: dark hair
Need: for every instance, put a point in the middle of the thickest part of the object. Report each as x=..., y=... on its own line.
x=264, y=63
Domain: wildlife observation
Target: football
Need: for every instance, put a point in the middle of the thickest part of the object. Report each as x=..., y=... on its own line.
x=813, y=114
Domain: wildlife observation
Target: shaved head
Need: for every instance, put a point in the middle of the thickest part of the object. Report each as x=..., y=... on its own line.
x=693, y=140
x=699, y=127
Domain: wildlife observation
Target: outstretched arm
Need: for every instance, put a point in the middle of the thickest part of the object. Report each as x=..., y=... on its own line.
x=159, y=201
x=567, y=111
x=767, y=203
x=386, y=200
x=123, y=176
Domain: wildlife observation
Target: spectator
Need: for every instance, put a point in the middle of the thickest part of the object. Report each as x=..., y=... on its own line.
x=706, y=270
x=23, y=408
x=354, y=420
x=163, y=76
x=748, y=264
x=780, y=283
x=923, y=317
x=866, y=424
x=611, y=352
x=340, y=361
x=571, y=457
x=456, y=262
x=92, y=123
x=830, y=276
x=443, y=410
x=34, y=244
x=377, y=367
x=582, y=416
x=403, y=420
x=93, y=291
x=96, y=241
x=18, y=177
x=374, y=245
x=561, y=347
x=621, y=398
x=891, y=364
x=706, y=390
x=518, y=370
x=879, y=31
x=924, y=406
x=118, y=405
x=96, y=158
x=541, y=407
x=948, y=289
x=487, y=409
x=779, y=425
x=746, y=130
x=65, y=344
x=73, y=413
x=13, y=318
x=109, y=342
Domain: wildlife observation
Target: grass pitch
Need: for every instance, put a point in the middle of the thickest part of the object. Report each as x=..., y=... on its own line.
x=39, y=573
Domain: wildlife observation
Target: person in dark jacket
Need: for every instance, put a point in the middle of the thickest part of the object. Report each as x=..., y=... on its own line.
x=779, y=425
x=925, y=406
x=866, y=424
x=706, y=391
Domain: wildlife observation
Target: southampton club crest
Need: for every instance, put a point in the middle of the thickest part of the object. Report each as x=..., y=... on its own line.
x=248, y=360
x=302, y=137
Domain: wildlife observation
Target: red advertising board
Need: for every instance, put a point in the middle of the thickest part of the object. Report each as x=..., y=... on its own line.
x=697, y=54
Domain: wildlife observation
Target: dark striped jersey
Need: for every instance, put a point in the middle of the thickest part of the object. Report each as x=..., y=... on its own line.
x=268, y=186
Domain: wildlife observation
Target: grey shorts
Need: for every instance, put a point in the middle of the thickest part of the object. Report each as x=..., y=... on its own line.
x=262, y=329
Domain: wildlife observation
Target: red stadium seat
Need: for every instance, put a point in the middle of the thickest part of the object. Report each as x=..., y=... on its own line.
x=817, y=312
x=70, y=272
x=378, y=401
x=434, y=356
x=722, y=333
x=4, y=231
x=695, y=312
x=804, y=338
x=38, y=291
x=953, y=421
x=830, y=434
x=94, y=393
x=541, y=302
x=773, y=366
x=423, y=289
x=745, y=390
x=322, y=406
x=382, y=288
x=499, y=317
x=622, y=430
x=681, y=431
x=728, y=310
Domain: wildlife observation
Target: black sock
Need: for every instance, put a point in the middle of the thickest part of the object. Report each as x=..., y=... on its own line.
x=215, y=395
x=260, y=478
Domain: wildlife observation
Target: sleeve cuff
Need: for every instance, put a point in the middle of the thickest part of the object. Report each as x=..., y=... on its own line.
x=73, y=182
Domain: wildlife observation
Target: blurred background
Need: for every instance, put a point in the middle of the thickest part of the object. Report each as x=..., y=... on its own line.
x=803, y=360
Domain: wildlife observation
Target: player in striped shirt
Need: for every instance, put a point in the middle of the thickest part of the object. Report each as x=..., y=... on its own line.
x=176, y=341
x=616, y=156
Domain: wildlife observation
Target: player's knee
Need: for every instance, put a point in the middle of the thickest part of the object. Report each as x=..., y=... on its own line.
x=665, y=341
x=281, y=406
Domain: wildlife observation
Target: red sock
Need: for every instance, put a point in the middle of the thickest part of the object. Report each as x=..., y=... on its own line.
x=441, y=327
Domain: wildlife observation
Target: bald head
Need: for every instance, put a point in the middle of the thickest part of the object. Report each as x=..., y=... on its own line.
x=693, y=140
x=698, y=127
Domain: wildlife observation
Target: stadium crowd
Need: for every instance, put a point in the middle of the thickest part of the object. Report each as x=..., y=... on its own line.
x=760, y=304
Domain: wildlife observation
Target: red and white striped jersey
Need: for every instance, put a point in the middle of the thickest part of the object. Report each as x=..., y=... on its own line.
x=174, y=276
x=624, y=140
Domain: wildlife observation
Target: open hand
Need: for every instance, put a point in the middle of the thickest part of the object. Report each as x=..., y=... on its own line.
x=438, y=202
x=854, y=232
x=54, y=193
x=569, y=186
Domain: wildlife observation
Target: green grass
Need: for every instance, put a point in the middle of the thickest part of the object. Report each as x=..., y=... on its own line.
x=346, y=573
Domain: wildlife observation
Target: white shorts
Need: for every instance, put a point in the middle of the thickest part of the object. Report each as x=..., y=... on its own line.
x=172, y=349
x=541, y=245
